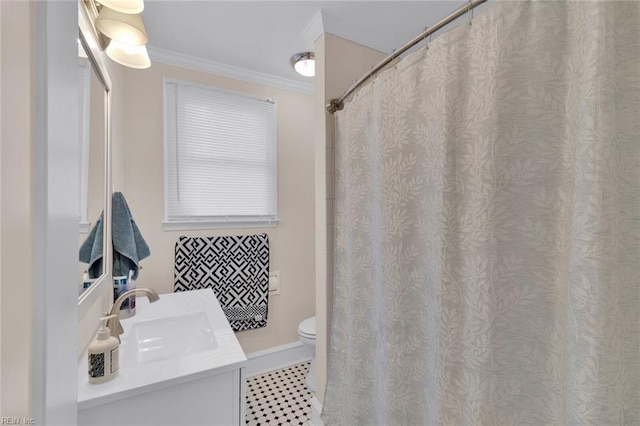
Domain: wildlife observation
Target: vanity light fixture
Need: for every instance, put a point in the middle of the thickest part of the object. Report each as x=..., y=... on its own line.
x=124, y=6
x=304, y=63
x=129, y=55
x=123, y=27
x=126, y=32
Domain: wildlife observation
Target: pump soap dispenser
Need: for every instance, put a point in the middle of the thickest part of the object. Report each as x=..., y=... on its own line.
x=103, y=354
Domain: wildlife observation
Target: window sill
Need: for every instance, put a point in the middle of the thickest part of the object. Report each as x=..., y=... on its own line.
x=207, y=224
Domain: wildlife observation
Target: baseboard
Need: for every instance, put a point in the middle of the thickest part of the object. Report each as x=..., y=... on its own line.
x=275, y=358
x=316, y=410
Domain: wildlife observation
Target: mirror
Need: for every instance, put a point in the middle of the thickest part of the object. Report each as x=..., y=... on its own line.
x=95, y=167
x=92, y=158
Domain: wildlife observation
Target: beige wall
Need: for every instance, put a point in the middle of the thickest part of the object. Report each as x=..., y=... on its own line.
x=17, y=117
x=119, y=101
x=97, y=130
x=291, y=242
x=339, y=63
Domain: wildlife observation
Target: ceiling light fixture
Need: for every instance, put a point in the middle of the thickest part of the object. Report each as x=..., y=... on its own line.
x=124, y=6
x=304, y=63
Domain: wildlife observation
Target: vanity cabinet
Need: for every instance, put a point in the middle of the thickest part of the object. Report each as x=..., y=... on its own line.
x=180, y=364
x=217, y=399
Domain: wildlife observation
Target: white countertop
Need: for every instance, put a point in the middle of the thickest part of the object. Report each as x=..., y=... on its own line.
x=160, y=374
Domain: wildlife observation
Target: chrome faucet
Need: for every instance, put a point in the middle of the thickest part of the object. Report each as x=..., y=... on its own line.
x=115, y=327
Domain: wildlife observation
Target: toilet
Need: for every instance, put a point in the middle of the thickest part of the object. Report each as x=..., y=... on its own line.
x=307, y=333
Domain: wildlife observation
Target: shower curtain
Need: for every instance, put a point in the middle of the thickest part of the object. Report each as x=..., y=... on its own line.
x=488, y=226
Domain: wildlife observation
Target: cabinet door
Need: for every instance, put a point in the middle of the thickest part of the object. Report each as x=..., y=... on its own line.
x=211, y=400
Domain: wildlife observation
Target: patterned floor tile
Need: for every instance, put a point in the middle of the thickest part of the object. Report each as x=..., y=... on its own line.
x=279, y=397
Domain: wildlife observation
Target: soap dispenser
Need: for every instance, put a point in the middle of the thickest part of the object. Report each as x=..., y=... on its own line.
x=103, y=354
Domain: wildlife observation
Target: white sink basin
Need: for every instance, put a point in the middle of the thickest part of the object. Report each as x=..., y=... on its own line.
x=167, y=338
x=183, y=336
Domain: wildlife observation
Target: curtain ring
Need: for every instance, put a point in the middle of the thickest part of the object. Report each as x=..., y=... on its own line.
x=470, y=11
x=425, y=36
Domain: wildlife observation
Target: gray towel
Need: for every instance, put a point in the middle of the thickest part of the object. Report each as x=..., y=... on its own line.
x=129, y=247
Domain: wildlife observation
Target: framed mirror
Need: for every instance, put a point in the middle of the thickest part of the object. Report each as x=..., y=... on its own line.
x=95, y=164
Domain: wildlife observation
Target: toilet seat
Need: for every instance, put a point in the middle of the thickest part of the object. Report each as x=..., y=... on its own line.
x=307, y=328
x=307, y=334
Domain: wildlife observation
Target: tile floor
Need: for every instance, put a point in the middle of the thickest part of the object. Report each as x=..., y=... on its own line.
x=279, y=397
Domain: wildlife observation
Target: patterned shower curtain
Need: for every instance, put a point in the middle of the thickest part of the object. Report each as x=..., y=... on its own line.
x=487, y=267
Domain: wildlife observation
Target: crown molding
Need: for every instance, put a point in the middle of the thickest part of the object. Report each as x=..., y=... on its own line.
x=334, y=25
x=224, y=70
x=325, y=22
x=314, y=29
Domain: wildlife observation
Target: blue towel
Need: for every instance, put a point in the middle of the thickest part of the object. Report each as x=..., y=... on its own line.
x=129, y=247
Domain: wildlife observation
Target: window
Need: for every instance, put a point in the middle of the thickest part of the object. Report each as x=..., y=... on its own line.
x=220, y=158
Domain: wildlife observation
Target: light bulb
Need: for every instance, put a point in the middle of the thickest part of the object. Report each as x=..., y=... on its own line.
x=304, y=64
x=129, y=55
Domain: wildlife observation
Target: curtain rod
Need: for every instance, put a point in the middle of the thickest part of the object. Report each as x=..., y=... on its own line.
x=337, y=104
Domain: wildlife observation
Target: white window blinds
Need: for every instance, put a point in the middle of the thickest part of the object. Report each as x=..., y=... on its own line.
x=220, y=156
